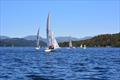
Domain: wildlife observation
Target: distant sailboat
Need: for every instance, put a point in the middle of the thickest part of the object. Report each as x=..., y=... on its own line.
x=51, y=41
x=37, y=41
x=81, y=46
x=70, y=44
x=84, y=47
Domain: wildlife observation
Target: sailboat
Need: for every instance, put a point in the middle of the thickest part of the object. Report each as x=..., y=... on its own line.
x=70, y=44
x=37, y=41
x=84, y=47
x=81, y=46
x=51, y=41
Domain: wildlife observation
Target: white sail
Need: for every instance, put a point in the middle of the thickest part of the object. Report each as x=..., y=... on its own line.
x=81, y=46
x=84, y=47
x=70, y=43
x=38, y=40
x=54, y=41
x=48, y=31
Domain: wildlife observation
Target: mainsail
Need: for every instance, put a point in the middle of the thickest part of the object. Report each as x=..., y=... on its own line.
x=51, y=41
x=38, y=39
x=81, y=46
x=70, y=43
x=48, y=31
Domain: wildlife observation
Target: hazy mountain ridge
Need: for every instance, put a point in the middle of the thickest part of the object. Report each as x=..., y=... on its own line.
x=31, y=40
x=4, y=37
x=59, y=39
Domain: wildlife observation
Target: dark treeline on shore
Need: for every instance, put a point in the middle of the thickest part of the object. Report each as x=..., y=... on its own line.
x=105, y=40
x=20, y=42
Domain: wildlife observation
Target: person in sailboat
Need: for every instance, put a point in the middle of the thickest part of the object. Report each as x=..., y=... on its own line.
x=51, y=47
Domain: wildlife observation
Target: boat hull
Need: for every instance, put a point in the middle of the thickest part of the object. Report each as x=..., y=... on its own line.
x=37, y=48
x=49, y=50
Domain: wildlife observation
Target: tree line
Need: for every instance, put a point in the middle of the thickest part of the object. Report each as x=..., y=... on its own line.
x=105, y=40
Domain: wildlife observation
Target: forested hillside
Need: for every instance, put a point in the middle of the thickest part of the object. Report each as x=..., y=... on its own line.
x=105, y=40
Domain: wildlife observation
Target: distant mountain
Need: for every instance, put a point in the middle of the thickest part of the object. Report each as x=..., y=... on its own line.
x=66, y=39
x=4, y=37
x=84, y=38
x=31, y=37
x=34, y=37
x=59, y=39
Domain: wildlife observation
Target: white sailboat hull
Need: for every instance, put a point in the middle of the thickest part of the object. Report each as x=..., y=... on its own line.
x=37, y=48
x=51, y=50
x=48, y=50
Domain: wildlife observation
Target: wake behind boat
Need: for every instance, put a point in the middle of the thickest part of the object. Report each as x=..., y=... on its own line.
x=51, y=41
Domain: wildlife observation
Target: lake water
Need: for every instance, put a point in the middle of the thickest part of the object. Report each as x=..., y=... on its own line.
x=63, y=64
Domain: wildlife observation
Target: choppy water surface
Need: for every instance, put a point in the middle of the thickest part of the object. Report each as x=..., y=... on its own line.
x=63, y=64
